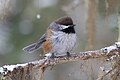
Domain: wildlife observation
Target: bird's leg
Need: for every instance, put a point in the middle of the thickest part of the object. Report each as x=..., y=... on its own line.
x=68, y=54
x=52, y=56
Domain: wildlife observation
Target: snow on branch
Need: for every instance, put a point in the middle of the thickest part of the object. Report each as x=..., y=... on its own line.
x=34, y=70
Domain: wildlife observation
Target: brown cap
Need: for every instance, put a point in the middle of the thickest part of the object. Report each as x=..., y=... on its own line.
x=64, y=21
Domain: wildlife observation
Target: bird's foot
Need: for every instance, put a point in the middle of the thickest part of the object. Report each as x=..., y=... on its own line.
x=68, y=55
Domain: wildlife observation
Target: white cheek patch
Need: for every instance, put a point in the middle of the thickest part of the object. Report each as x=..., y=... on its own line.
x=64, y=27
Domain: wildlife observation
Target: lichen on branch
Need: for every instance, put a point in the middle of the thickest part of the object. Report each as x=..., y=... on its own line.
x=34, y=70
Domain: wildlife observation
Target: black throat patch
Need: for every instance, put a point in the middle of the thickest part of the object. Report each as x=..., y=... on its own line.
x=69, y=30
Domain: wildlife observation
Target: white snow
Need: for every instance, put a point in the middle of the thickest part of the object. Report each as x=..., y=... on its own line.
x=110, y=48
x=117, y=43
x=1, y=70
x=11, y=67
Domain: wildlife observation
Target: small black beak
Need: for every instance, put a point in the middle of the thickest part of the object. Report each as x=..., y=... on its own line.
x=72, y=25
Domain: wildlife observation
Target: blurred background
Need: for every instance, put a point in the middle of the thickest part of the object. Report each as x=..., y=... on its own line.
x=22, y=22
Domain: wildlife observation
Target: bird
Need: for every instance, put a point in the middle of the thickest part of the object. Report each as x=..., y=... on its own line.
x=59, y=38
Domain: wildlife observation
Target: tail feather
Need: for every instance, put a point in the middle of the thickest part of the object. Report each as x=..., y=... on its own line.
x=35, y=46
x=31, y=48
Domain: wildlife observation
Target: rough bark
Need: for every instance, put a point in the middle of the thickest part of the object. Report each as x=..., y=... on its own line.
x=35, y=70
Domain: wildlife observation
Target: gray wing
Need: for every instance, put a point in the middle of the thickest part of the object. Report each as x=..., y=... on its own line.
x=54, y=26
x=35, y=46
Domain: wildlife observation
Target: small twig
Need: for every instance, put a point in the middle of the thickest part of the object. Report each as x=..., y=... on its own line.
x=105, y=74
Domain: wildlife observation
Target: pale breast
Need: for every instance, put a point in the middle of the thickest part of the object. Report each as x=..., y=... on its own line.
x=62, y=42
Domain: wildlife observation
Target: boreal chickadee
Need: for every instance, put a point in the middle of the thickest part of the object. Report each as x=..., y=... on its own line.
x=60, y=38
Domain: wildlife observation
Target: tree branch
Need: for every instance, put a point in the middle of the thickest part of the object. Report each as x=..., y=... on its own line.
x=34, y=70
